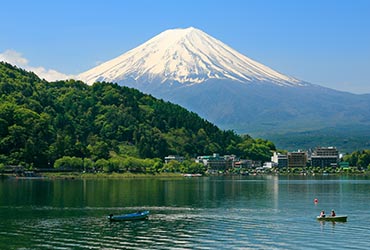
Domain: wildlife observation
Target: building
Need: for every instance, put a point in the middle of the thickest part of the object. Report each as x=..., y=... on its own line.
x=297, y=159
x=280, y=159
x=230, y=161
x=269, y=165
x=214, y=161
x=325, y=157
x=217, y=162
x=247, y=164
x=169, y=158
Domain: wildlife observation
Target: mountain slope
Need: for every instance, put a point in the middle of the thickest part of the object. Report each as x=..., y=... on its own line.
x=259, y=109
x=190, y=68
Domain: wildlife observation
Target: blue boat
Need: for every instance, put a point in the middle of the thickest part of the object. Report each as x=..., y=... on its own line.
x=141, y=215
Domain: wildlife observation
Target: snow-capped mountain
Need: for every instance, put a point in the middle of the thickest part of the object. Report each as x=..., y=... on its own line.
x=187, y=56
x=192, y=69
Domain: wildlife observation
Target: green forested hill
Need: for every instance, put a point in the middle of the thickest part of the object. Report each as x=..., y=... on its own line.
x=42, y=121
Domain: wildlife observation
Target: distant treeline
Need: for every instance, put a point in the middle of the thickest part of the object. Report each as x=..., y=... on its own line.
x=42, y=122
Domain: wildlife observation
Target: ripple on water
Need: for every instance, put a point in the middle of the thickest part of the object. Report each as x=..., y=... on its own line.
x=255, y=223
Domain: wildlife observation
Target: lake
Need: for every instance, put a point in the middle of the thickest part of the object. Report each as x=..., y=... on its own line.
x=251, y=212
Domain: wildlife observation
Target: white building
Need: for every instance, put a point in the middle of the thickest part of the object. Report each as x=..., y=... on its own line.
x=169, y=158
x=280, y=159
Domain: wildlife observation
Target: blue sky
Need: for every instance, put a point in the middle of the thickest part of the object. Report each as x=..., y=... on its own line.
x=325, y=42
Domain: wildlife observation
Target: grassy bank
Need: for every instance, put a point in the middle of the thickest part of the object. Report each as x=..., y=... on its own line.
x=76, y=175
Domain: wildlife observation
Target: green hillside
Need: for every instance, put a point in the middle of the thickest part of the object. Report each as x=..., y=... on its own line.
x=346, y=139
x=41, y=122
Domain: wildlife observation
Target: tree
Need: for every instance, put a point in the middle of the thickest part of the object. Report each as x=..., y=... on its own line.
x=88, y=164
x=171, y=167
x=99, y=150
x=41, y=122
x=258, y=150
x=360, y=159
x=191, y=167
x=69, y=163
x=102, y=165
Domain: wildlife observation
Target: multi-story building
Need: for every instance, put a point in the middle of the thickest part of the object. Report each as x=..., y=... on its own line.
x=247, y=164
x=325, y=157
x=297, y=159
x=214, y=161
x=217, y=162
x=280, y=159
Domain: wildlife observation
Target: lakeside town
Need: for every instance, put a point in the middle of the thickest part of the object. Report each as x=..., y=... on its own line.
x=320, y=160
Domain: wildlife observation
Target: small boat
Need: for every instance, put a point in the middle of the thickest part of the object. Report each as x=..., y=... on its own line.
x=340, y=218
x=192, y=175
x=141, y=215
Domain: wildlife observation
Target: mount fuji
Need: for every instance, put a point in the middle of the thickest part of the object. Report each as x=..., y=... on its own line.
x=186, y=56
x=190, y=68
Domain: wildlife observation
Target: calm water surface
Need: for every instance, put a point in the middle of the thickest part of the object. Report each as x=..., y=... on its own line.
x=191, y=213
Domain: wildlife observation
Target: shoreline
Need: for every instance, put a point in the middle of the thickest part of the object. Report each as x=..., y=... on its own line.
x=78, y=175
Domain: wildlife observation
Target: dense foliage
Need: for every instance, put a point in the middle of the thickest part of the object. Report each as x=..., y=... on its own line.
x=358, y=159
x=69, y=122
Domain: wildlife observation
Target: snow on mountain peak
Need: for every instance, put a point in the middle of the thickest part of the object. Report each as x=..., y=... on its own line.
x=188, y=56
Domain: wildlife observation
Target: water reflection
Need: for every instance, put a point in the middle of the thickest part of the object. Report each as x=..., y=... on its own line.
x=254, y=212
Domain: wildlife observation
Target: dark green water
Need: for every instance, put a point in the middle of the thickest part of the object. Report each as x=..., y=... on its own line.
x=190, y=213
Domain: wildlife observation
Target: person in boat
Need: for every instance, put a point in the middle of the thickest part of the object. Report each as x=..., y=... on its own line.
x=110, y=216
x=333, y=213
x=322, y=214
